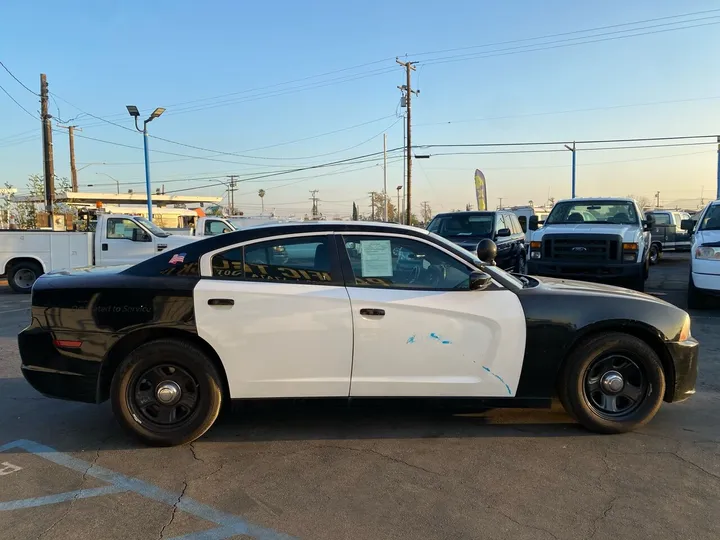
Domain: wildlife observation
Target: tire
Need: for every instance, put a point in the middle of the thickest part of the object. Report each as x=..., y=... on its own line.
x=654, y=254
x=696, y=299
x=521, y=263
x=582, y=392
x=23, y=275
x=136, y=403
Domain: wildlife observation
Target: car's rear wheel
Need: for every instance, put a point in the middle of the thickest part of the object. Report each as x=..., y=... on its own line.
x=166, y=392
x=612, y=383
x=23, y=275
x=654, y=254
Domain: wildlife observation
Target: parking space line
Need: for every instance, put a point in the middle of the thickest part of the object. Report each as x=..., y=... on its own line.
x=60, y=497
x=230, y=525
x=14, y=310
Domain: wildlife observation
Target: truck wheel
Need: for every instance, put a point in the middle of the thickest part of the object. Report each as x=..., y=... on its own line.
x=654, y=254
x=23, y=275
x=166, y=392
x=612, y=383
x=696, y=299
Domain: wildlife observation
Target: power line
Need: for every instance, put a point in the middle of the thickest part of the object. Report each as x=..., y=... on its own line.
x=574, y=32
x=560, y=44
x=549, y=143
x=18, y=80
x=17, y=103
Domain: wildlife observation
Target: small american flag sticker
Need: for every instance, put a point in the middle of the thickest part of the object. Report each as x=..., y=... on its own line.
x=177, y=258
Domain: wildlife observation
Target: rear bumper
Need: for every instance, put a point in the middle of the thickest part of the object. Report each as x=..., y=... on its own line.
x=684, y=356
x=54, y=373
x=586, y=271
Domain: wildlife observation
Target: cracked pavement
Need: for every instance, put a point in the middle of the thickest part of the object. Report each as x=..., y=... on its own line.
x=331, y=472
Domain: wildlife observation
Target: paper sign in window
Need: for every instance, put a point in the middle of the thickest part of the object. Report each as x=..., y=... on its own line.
x=376, y=258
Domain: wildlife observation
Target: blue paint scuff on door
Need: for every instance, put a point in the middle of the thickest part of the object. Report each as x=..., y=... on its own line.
x=411, y=339
x=434, y=336
x=498, y=377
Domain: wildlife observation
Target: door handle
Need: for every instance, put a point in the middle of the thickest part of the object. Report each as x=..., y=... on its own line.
x=221, y=302
x=372, y=312
x=104, y=247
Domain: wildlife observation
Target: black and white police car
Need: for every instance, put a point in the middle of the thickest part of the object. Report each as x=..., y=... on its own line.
x=347, y=310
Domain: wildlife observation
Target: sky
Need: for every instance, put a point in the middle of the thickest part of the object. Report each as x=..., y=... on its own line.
x=262, y=89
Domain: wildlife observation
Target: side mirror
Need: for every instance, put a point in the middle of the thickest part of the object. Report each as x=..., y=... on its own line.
x=502, y=233
x=533, y=223
x=649, y=222
x=487, y=251
x=688, y=225
x=138, y=235
x=479, y=281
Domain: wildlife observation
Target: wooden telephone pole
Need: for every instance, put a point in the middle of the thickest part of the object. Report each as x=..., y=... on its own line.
x=48, y=163
x=73, y=169
x=407, y=91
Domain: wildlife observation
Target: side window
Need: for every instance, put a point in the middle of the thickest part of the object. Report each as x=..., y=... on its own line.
x=523, y=223
x=214, y=227
x=662, y=219
x=678, y=219
x=516, y=228
x=299, y=260
x=403, y=263
x=121, y=228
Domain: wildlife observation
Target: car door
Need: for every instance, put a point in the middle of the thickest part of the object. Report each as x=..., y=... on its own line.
x=419, y=330
x=278, y=315
x=125, y=242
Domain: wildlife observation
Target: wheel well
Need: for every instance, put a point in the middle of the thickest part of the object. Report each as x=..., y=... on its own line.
x=132, y=341
x=645, y=334
x=14, y=262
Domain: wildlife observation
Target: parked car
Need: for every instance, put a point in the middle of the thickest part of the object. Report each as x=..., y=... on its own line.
x=172, y=338
x=114, y=239
x=592, y=239
x=667, y=233
x=467, y=229
x=704, y=279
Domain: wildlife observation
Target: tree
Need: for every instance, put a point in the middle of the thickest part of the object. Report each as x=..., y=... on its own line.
x=355, y=214
x=261, y=194
x=643, y=201
x=425, y=212
x=377, y=203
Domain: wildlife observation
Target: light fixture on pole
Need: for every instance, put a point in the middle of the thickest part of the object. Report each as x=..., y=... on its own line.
x=117, y=182
x=135, y=113
x=399, y=214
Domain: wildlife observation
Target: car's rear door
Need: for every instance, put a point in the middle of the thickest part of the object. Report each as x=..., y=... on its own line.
x=419, y=330
x=278, y=315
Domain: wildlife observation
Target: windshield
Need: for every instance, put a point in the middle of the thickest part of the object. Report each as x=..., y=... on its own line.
x=613, y=212
x=503, y=277
x=463, y=225
x=157, y=231
x=711, y=219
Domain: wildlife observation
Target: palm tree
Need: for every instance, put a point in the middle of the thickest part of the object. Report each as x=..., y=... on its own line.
x=261, y=194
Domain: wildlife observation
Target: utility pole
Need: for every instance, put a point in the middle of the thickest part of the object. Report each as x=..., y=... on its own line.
x=49, y=164
x=73, y=170
x=231, y=192
x=717, y=196
x=500, y=206
x=572, y=149
x=425, y=212
x=408, y=92
x=372, y=205
x=314, y=200
x=657, y=199
x=399, y=214
x=385, y=197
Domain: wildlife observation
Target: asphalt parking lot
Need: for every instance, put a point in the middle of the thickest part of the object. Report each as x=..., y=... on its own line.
x=68, y=472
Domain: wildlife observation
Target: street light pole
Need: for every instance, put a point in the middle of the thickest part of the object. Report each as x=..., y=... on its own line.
x=399, y=214
x=385, y=196
x=135, y=113
x=572, y=149
x=718, y=170
x=117, y=182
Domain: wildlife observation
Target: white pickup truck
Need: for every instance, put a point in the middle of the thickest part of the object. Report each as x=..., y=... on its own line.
x=594, y=240
x=118, y=239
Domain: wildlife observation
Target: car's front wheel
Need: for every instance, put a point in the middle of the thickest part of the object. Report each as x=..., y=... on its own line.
x=654, y=254
x=166, y=392
x=612, y=383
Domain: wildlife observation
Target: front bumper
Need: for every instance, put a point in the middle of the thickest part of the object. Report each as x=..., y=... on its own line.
x=684, y=355
x=708, y=283
x=586, y=271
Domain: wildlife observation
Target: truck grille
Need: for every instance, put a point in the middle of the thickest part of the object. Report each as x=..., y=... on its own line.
x=581, y=247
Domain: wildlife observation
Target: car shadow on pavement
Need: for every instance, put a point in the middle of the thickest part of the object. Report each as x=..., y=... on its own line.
x=77, y=427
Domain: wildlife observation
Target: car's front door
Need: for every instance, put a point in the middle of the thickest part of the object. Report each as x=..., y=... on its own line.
x=419, y=329
x=278, y=315
x=125, y=242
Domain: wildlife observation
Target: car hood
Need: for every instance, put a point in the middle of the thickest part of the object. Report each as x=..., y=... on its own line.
x=465, y=241
x=707, y=237
x=88, y=270
x=582, y=228
x=584, y=288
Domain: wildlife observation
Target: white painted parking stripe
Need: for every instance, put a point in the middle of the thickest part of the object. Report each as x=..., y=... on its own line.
x=61, y=497
x=14, y=310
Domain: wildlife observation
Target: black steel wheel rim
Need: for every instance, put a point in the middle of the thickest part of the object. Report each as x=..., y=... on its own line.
x=654, y=254
x=165, y=396
x=615, y=385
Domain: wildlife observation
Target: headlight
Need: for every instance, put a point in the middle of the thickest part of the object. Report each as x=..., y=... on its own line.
x=685, y=331
x=708, y=253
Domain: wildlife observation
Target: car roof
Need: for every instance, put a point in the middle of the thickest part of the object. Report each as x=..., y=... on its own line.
x=470, y=213
x=597, y=199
